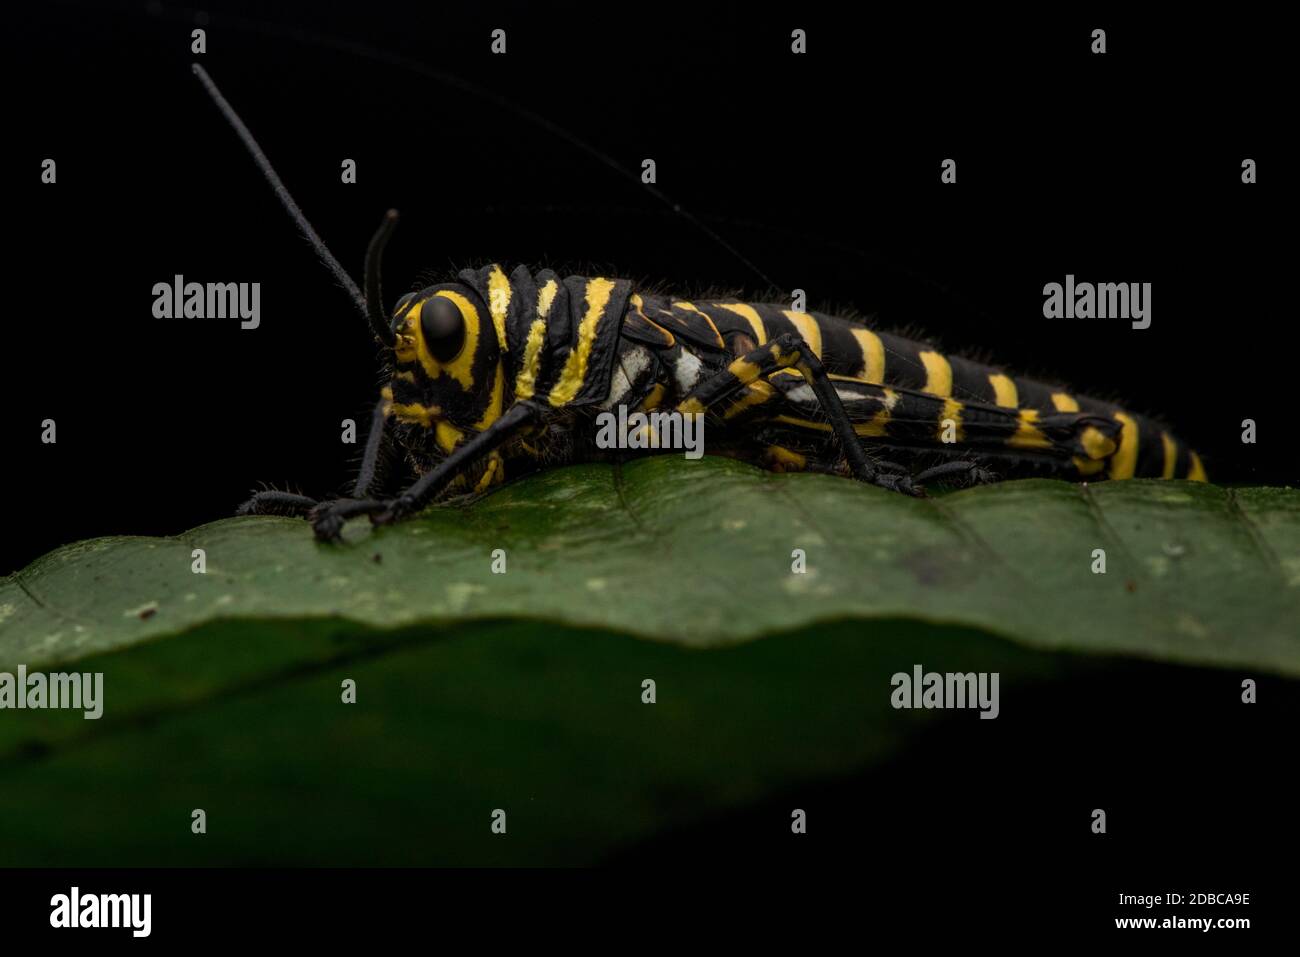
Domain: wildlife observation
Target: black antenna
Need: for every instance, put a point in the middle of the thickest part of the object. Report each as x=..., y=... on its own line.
x=420, y=68
x=374, y=292
x=373, y=313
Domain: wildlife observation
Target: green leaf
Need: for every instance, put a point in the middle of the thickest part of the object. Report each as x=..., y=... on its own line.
x=244, y=720
x=523, y=691
x=700, y=554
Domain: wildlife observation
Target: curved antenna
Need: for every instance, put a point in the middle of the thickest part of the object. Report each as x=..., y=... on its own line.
x=374, y=293
x=287, y=201
x=411, y=65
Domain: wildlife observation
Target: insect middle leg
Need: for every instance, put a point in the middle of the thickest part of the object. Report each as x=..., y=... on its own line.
x=327, y=518
x=786, y=352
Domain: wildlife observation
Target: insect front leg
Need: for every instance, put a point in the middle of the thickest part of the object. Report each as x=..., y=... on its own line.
x=785, y=352
x=327, y=519
x=378, y=448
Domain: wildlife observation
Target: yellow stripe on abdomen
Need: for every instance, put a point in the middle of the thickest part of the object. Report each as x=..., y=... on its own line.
x=751, y=316
x=1124, y=463
x=1005, y=393
x=873, y=356
x=808, y=328
x=938, y=374
x=1171, y=455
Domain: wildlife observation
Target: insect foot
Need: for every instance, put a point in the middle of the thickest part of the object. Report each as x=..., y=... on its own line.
x=327, y=521
x=396, y=510
x=900, y=483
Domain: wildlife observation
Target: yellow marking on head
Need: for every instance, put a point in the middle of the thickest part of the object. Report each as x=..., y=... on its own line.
x=416, y=414
x=405, y=375
x=1096, y=443
x=1196, y=472
x=406, y=348
x=751, y=316
x=1064, y=402
x=653, y=397
x=575, y=366
x=808, y=328
x=1027, y=434
x=412, y=413
x=756, y=393
x=493, y=410
x=460, y=368
x=938, y=374
x=447, y=435
x=779, y=459
x=1005, y=393
x=873, y=355
x=951, y=410
x=1087, y=466
x=526, y=382
x=1124, y=462
x=1171, y=455
x=499, y=293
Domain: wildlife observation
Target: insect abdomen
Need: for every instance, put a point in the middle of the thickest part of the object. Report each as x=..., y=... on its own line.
x=850, y=349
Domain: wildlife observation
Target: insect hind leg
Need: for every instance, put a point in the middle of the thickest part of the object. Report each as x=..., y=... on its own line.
x=272, y=502
x=963, y=473
x=785, y=352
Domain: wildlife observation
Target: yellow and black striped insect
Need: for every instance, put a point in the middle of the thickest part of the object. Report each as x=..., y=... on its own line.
x=493, y=370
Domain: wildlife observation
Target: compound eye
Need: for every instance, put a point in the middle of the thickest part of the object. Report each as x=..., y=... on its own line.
x=443, y=327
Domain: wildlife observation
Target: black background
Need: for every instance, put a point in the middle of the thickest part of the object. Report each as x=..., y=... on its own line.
x=822, y=170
